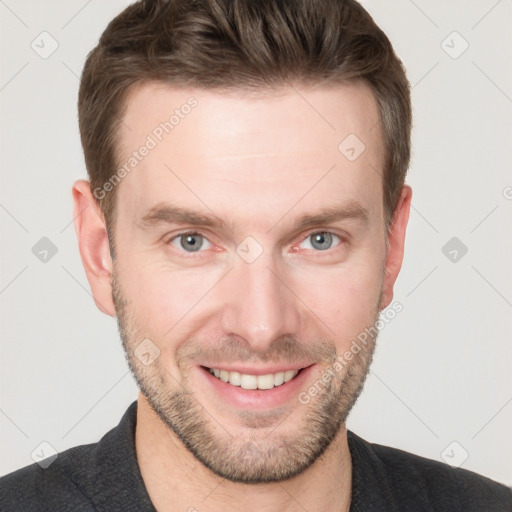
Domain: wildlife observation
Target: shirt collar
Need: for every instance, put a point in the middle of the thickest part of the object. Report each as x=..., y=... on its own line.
x=371, y=489
x=117, y=484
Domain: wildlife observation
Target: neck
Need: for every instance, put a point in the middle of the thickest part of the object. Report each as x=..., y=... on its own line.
x=176, y=480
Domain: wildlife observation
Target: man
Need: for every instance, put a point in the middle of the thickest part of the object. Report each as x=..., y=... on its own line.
x=245, y=222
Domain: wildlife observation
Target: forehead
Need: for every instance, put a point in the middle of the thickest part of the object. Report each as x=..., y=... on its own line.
x=295, y=144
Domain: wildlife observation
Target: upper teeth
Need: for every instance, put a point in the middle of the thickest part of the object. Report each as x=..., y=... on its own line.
x=247, y=381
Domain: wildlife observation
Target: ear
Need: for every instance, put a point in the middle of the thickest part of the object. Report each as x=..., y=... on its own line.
x=93, y=244
x=396, y=241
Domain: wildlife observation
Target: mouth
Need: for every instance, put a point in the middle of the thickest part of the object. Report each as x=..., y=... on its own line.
x=256, y=388
x=250, y=381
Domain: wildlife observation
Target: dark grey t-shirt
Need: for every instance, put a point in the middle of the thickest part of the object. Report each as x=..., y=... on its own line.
x=105, y=477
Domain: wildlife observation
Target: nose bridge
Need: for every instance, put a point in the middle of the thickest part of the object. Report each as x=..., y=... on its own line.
x=258, y=306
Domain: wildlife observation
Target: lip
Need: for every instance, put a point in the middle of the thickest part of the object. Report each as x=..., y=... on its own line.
x=257, y=399
x=251, y=370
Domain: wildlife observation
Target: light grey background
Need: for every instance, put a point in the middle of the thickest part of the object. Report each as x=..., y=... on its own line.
x=442, y=370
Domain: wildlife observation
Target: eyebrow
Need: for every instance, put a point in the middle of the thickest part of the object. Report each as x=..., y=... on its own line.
x=164, y=213
x=349, y=211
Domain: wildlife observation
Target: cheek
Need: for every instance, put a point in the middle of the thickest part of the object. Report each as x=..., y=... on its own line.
x=345, y=299
x=164, y=301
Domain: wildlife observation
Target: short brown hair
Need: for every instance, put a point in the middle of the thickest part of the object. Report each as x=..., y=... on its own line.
x=237, y=44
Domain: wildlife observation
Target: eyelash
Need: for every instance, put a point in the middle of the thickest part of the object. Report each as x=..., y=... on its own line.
x=195, y=254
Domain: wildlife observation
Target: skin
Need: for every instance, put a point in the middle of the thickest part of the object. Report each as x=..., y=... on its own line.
x=259, y=162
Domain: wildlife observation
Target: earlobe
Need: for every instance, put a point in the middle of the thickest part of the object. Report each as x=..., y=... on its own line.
x=93, y=245
x=396, y=242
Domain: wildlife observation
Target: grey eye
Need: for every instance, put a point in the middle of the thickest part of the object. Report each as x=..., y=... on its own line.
x=190, y=242
x=321, y=241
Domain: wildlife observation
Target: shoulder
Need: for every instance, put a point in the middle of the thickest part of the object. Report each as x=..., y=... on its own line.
x=441, y=481
x=92, y=477
x=413, y=479
x=56, y=487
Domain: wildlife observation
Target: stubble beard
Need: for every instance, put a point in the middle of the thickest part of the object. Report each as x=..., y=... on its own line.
x=276, y=445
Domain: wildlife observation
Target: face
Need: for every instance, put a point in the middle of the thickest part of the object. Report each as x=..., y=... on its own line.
x=250, y=253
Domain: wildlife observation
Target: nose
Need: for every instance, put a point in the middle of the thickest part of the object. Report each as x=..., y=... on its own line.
x=258, y=305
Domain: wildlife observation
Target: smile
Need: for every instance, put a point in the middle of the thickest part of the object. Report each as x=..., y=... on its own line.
x=247, y=381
